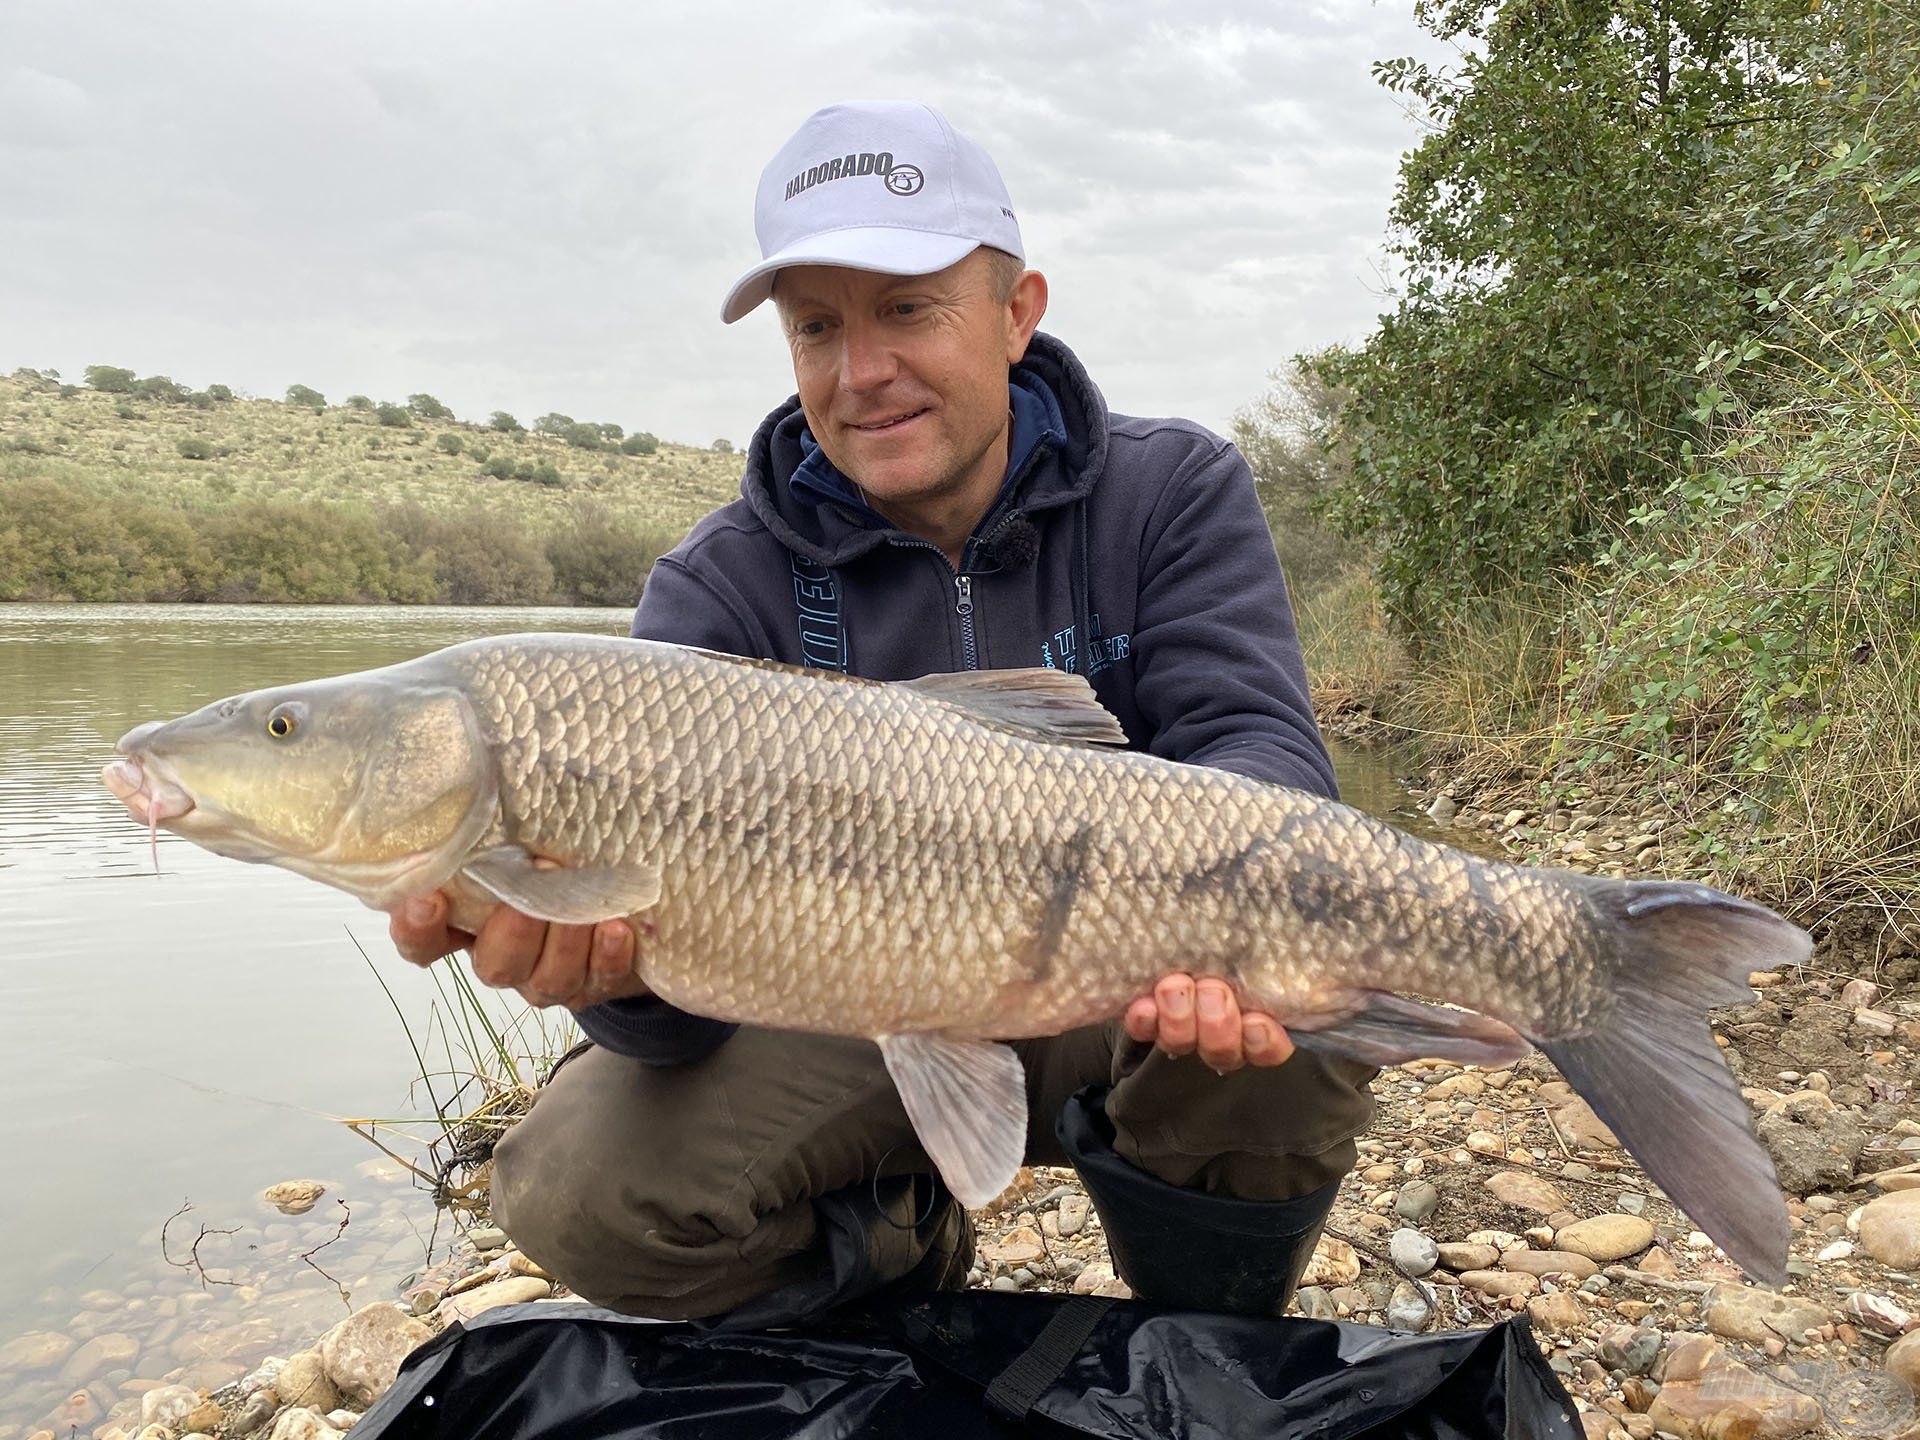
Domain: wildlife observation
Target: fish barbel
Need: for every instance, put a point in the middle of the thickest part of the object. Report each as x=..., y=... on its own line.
x=949, y=862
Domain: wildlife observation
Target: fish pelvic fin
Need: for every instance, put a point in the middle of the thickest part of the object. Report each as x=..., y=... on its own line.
x=1649, y=1066
x=563, y=896
x=967, y=1100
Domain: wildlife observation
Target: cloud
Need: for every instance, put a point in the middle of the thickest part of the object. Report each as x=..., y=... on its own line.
x=537, y=207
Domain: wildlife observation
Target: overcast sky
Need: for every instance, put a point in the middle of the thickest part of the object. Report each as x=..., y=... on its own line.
x=539, y=206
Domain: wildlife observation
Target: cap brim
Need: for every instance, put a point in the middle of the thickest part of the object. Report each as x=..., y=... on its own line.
x=880, y=248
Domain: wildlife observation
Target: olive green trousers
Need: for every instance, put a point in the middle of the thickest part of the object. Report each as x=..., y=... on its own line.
x=684, y=1191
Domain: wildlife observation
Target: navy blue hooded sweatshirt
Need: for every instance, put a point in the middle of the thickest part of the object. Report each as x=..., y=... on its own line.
x=1132, y=551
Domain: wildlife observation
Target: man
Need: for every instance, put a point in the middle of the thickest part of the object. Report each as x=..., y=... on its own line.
x=947, y=491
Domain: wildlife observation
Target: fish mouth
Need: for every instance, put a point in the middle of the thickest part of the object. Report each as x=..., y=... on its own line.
x=150, y=797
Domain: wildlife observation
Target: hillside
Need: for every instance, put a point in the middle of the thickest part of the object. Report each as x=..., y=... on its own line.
x=154, y=492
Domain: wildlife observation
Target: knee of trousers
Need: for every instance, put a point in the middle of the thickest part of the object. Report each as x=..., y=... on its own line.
x=1259, y=1133
x=627, y=1227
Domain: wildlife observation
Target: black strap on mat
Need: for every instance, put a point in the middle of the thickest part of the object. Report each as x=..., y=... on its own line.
x=1016, y=1389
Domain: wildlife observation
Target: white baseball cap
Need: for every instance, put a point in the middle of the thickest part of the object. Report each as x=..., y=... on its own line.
x=875, y=186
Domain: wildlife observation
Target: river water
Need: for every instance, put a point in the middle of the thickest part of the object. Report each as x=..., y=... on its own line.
x=193, y=1036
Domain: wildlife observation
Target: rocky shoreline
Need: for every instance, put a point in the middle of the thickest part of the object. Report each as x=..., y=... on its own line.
x=1480, y=1193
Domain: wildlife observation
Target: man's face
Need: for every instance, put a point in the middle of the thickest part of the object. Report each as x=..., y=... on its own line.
x=904, y=379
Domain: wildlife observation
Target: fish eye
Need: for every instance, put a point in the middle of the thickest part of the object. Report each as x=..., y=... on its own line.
x=282, y=722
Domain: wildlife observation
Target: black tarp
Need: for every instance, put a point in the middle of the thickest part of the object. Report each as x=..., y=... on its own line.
x=922, y=1369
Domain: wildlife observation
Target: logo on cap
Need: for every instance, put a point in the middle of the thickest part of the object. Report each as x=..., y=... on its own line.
x=899, y=179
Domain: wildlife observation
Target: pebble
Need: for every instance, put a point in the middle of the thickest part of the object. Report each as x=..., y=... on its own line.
x=1073, y=1214
x=1020, y=1246
x=1548, y=1262
x=1500, y=1240
x=36, y=1350
x=1629, y=1349
x=1315, y=1303
x=1890, y=1229
x=487, y=1237
x=1465, y=1255
x=362, y=1354
x=1501, y=1284
x=1814, y=1143
x=1412, y=1253
x=1411, y=1306
x=1742, y=1312
x=1557, y=1314
x=1417, y=1200
x=1632, y=1203
x=1606, y=1237
x=294, y=1197
x=1529, y=1192
x=1334, y=1262
x=1903, y=1359
x=514, y=1290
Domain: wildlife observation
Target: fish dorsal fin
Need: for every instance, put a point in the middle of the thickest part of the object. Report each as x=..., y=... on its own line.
x=1040, y=703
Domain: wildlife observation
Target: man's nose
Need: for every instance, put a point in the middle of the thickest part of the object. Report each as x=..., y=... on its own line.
x=867, y=362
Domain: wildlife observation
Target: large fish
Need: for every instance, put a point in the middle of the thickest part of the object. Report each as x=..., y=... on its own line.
x=948, y=862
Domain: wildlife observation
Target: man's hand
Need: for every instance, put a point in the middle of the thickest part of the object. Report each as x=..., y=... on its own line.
x=1183, y=1015
x=571, y=965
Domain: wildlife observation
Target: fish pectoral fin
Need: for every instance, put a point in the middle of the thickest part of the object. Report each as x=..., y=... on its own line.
x=1038, y=703
x=967, y=1100
x=1385, y=1029
x=562, y=895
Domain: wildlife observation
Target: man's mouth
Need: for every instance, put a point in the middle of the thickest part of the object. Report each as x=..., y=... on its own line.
x=889, y=422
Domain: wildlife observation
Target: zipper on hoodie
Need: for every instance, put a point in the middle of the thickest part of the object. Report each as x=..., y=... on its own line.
x=963, y=607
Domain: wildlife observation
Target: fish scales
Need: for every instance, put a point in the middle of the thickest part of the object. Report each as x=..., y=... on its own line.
x=960, y=869
x=929, y=865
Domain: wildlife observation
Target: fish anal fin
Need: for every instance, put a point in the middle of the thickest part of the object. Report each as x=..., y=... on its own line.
x=563, y=895
x=1043, y=704
x=967, y=1100
x=1384, y=1029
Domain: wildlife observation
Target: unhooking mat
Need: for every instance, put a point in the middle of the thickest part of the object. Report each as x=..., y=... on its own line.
x=967, y=1365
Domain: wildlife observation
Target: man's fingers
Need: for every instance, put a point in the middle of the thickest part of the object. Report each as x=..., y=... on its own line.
x=1217, y=1025
x=1267, y=1042
x=1173, y=997
x=1143, y=1020
x=561, y=972
x=419, y=931
x=612, y=959
x=508, y=948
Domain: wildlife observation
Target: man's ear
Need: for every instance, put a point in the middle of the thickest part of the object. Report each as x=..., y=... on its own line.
x=1025, y=307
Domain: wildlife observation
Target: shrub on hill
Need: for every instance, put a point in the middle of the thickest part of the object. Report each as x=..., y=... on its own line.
x=500, y=420
x=194, y=448
x=428, y=408
x=306, y=397
x=639, y=443
x=110, y=379
x=397, y=416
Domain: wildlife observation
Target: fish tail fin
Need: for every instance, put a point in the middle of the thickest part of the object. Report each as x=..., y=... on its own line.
x=1650, y=1069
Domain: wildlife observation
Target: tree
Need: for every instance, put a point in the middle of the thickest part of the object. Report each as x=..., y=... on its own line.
x=1563, y=258
x=359, y=402
x=397, y=416
x=499, y=467
x=306, y=396
x=546, y=473
x=110, y=379
x=503, y=422
x=220, y=393
x=163, y=388
x=639, y=443
x=583, y=437
x=448, y=443
x=610, y=431
x=554, y=423
x=723, y=447
x=428, y=408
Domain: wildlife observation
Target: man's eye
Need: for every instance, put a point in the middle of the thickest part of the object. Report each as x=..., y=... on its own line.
x=906, y=307
x=813, y=328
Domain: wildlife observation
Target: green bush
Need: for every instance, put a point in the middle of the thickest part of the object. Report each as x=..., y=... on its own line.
x=583, y=437
x=428, y=408
x=396, y=416
x=448, y=443
x=162, y=388
x=723, y=447
x=194, y=449
x=306, y=397
x=200, y=400
x=500, y=468
x=359, y=402
x=547, y=473
x=220, y=393
x=554, y=423
x=609, y=431
x=110, y=379
x=600, y=559
x=500, y=420
x=640, y=443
